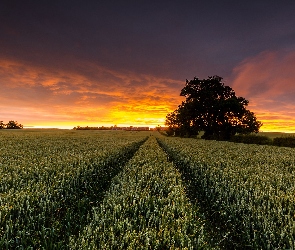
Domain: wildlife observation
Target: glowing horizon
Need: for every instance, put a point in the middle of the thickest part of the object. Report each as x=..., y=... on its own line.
x=271, y=127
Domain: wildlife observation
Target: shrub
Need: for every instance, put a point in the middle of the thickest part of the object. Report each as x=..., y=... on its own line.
x=252, y=139
x=284, y=141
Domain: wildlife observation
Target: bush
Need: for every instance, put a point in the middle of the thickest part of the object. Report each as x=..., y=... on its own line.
x=284, y=141
x=170, y=132
x=252, y=139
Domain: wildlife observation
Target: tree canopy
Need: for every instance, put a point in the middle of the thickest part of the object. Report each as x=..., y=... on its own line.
x=212, y=107
x=11, y=125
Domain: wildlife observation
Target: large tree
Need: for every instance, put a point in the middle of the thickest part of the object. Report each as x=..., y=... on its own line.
x=212, y=107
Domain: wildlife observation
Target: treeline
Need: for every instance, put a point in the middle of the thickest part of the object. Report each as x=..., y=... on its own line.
x=288, y=141
x=11, y=125
x=92, y=128
x=283, y=141
x=130, y=128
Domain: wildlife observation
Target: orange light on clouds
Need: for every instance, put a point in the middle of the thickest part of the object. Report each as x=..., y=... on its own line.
x=67, y=98
x=84, y=94
x=267, y=81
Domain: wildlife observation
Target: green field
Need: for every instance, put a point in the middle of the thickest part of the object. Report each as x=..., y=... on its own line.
x=63, y=189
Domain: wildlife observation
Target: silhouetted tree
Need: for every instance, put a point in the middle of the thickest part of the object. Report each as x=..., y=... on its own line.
x=13, y=125
x=213, y=108
x=2, y=125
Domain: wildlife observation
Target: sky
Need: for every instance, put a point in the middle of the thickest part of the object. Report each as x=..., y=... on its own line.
x=102, y=63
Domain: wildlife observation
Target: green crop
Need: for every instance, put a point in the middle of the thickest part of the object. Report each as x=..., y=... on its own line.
x=127, y=190
x=248, y=190
x=50, y=181
x=145, y=208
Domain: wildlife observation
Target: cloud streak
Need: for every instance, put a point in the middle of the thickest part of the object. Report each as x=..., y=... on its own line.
x=267, y=80
x=87, y=94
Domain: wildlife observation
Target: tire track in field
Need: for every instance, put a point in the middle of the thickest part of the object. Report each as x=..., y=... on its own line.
x=74, y=199
x=95, y=191
x=145, y=208
x=215, y=228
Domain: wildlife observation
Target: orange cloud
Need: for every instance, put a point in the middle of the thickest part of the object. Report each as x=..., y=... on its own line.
x=83, y=94
x=267, y=81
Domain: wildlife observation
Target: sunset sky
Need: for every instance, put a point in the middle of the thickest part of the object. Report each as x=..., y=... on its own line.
x=68, y=63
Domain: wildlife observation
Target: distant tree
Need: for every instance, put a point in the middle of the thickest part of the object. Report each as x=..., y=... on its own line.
x=2, y=125
x=13, y=125
x=158, y=128
x=213, y=108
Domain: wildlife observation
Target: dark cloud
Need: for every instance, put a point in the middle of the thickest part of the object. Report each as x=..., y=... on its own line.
x=106, y=53
x=167, y=38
